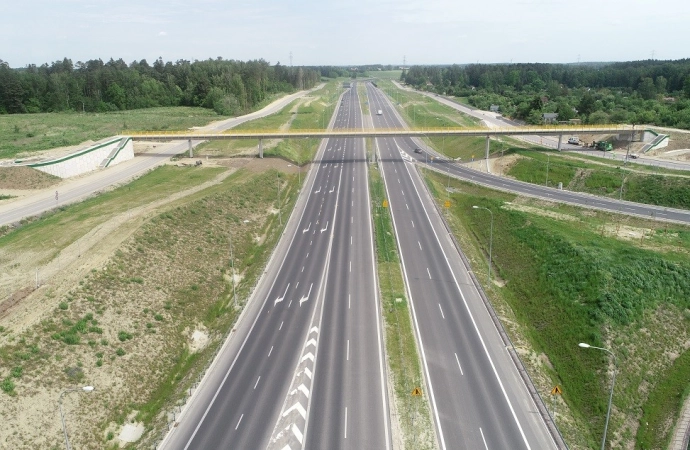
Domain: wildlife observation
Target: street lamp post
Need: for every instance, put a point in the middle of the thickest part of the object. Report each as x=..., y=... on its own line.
x=62, y=414
x=232, y=264
x=491, y=235
x=613, y=383
x=548, y=158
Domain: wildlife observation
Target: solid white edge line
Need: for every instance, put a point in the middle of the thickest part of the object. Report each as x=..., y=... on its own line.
x=469, y=312
x=377, y=300
x=324, y=144
x=414, y=316
x=320, y=296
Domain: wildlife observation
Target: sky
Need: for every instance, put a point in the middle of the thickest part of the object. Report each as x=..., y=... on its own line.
x=340, y=32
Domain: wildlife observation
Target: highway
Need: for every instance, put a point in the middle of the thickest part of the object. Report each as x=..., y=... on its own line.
x=477, y=397
x=83, y=187
x=305, y=367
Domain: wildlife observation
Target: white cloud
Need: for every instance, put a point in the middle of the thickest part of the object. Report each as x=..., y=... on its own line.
x=162, y=33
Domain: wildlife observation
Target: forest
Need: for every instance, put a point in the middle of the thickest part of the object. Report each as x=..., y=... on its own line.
x=637, y=92
x=227, y=86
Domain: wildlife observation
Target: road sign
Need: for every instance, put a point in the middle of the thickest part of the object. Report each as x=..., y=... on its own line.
x=416, y=392
x=385, y=203
x=556, y=390
x=447, y=204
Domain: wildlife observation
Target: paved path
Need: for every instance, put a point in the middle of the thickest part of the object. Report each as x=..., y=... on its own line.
x=681, y=436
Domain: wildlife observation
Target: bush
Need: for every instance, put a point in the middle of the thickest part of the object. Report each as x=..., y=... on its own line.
x=124, y=336
x=71, y=339
x=120, y=352
x=7, y=386
x=63, y=306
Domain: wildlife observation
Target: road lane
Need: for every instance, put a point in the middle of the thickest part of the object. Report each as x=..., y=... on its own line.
x=252, y=387
x=485, y=402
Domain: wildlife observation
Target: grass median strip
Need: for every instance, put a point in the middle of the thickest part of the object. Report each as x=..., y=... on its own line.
x=413, y=414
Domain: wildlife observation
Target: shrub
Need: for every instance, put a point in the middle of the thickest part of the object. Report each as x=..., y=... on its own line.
x=7, y=386
x=120, y=352
x=71, y=339
x=124, y=336
x=63, y=306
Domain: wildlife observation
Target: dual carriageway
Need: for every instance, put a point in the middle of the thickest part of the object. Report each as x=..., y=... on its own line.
x=306, y=367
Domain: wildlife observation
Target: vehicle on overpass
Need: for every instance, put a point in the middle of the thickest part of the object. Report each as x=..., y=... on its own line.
x=574, y=140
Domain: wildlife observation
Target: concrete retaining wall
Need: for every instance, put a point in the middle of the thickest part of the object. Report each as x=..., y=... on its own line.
x=105, y=154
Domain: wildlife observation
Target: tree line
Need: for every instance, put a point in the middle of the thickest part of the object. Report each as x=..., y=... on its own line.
x=227, y=86
x=650, y=92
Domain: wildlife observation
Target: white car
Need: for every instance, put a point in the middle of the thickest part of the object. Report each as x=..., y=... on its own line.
x=574, y=140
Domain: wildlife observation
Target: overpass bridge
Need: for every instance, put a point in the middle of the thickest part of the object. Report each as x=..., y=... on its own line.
x=553, y=130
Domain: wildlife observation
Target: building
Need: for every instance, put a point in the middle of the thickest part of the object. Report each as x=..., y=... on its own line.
x=550, y=117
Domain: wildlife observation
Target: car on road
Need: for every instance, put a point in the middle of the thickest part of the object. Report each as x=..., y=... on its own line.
x=417, y=150
x=574, y=140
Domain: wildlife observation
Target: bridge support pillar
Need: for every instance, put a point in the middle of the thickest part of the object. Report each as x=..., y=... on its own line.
x=191, y=149
x=261, y=148
x=560, y=141
x=488, y=145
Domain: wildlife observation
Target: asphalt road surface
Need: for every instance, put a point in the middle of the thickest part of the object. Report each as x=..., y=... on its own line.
x=305, y=368
x=477, y=396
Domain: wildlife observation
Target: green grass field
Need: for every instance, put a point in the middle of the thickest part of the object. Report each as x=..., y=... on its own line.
x=22, y=134
x=570, y=281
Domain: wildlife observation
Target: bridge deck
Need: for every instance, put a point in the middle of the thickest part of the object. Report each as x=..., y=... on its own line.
x=360, y=132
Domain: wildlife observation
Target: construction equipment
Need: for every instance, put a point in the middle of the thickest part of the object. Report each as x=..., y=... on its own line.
x=605, y=146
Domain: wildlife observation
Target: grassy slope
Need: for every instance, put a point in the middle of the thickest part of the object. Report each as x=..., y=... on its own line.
x=565, y=284
x=606, y=180
x=73, y=221
x=169, y=278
